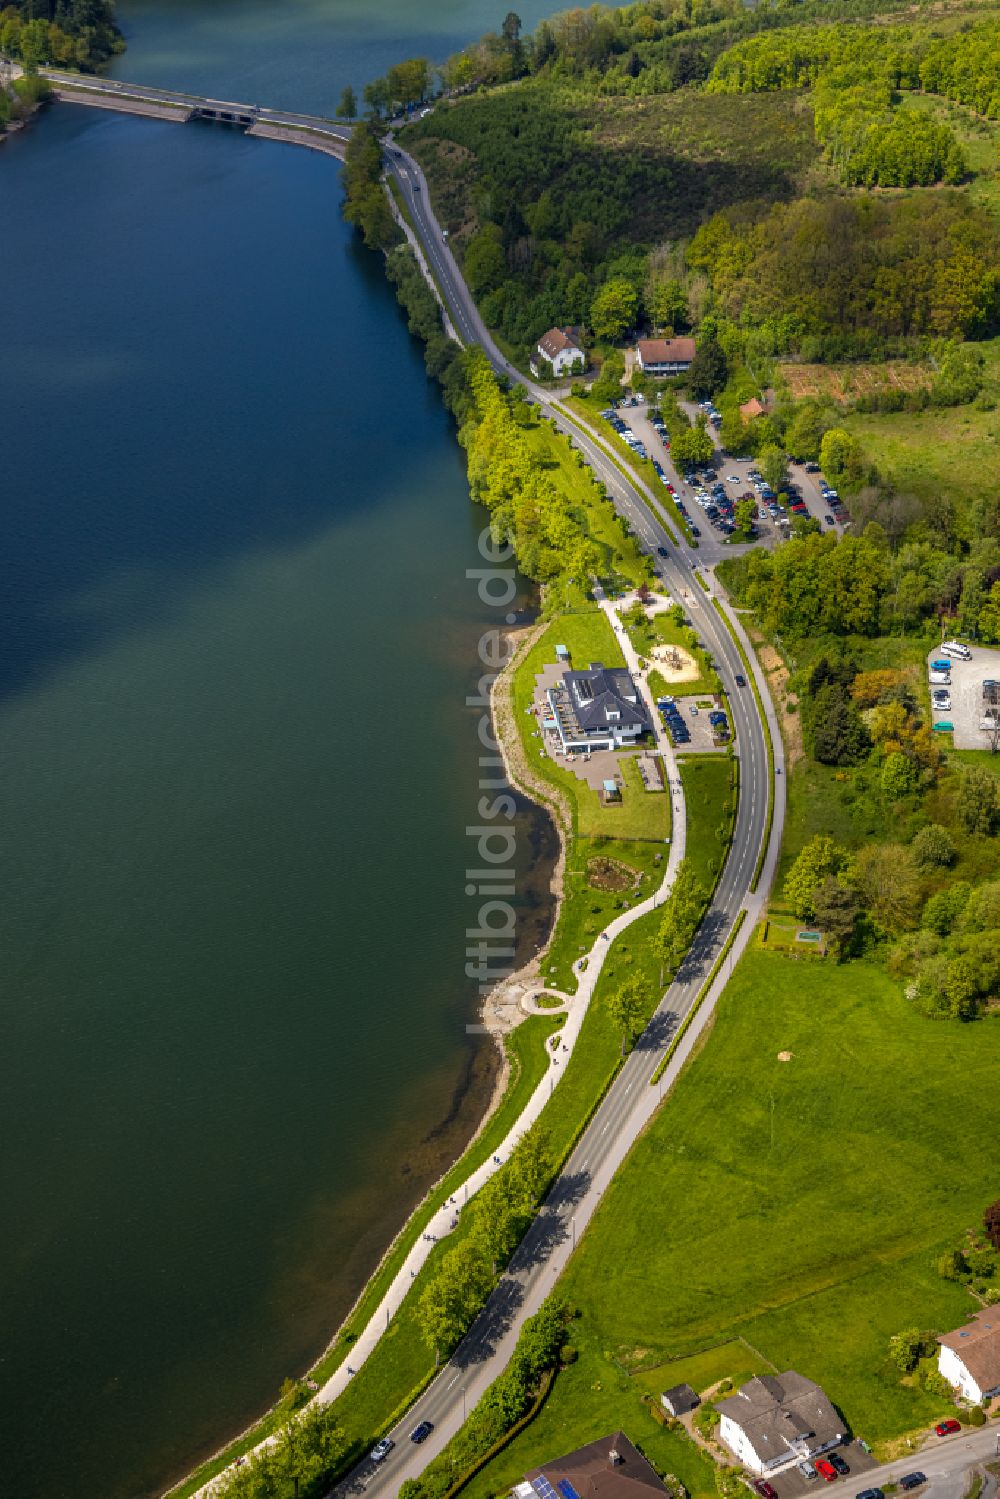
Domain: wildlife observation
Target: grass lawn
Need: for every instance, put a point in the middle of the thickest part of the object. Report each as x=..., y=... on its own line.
x=707, y=781
x=953, y=450
x=625, y=564
x=587, y=909
x=800, y=1205
x=734, y=1360
x=660, y=629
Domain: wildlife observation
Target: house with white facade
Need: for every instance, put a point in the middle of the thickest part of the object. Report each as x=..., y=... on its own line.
x=970, y=1356
x=561, y=351
x=664, y=356
x=597, y=709
x=776, y=1420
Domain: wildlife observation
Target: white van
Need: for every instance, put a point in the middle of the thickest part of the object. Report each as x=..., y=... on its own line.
x=956, y=649
x=940, y=678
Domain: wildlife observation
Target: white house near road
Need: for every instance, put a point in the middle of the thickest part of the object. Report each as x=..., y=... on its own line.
x=561, y=351
x=970, y=1356
x=775, y=1420
x=664, y=356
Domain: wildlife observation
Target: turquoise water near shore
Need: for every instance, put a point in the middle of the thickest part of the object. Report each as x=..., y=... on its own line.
x=236, y=766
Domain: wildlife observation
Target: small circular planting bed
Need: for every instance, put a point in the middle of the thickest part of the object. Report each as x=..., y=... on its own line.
x=609, y=874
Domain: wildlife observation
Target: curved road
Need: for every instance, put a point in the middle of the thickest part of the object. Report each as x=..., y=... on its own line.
x=631, y=1101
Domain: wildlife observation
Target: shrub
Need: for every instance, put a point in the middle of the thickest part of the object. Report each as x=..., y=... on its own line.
x=933, y=847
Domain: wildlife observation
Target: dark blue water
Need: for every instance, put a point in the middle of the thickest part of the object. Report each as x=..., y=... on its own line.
x=235, y=772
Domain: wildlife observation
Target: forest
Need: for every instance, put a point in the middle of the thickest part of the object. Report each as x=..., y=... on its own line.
x=597, y=150
x=64, y=33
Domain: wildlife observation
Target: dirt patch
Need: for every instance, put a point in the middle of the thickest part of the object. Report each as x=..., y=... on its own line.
x=610, y=874
x=675, y=664
x=846, y=383
x=785, y=701
x=784, y=1056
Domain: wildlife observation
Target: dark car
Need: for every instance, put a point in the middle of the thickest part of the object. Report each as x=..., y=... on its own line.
x=837, y=1462
x=870, y=1494
x=741, y=681
x=662, y=552
x=764, y=1488
x=422, y=1432
x=829, y=520
x=812, y=468
x=948, y=1428
x=695, y=531
x=912, y=1480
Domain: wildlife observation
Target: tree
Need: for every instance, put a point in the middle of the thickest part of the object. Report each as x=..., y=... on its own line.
x=886, y=879
x=838, y=453
x=511, y=28
x=805, y=431
x=952, y=1265
x=694, y=446
x=819, y=859
x=666, y=304
x=838, y=731
x=613, y=309
x=837, y=908
x=627, y=1006
x=408, y=82
x=933, y=847
x=485, y=265
x=771, y=462
x=899, y=776
x=347, y=109
x=682, y=912
x=745, y=513
x=454, y=1296
x=708, y=370
x=377, y=97
x=608, y=385
x=991, y=1223
x=977, y=801
x=907, y=1348
x=988, y=622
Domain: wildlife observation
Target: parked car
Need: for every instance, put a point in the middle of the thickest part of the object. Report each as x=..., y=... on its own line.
x=945, y=726
x=870, y=1494
x=941, y=663
x=695, y=532
x=765, y=1489
x=812, y=468
x=694, y=710
x=838, y=1463
x=381, y=1450
x=829, y=520
x=422, y=1432
x=912, y=1480
x=826, y=1470
x=807, y=1470
x=949, y=1427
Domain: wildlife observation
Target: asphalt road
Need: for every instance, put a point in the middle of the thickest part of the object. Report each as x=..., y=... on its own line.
x=630, y=1101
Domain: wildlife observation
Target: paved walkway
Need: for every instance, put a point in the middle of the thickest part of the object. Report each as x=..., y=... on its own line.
x=588, y=969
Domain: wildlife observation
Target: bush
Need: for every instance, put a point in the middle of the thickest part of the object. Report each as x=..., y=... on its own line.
x=933, y=847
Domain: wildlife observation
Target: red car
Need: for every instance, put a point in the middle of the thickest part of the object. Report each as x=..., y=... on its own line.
x=764, y=1489
x=948, y=1428
x=826, y=1470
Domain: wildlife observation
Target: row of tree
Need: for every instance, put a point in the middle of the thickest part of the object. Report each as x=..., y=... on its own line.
x=65, y=33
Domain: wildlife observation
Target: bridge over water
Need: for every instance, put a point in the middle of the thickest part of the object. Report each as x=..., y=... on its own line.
x=330, y=136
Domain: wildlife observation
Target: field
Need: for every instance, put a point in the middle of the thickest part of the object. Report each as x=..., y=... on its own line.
x=844, y=383
x=953, y=451
x=800, y=1205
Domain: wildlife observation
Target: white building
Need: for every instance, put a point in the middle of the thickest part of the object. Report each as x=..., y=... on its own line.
x=970, y=1357
x=561, y=351
x=664, y=356
x=776, y=1420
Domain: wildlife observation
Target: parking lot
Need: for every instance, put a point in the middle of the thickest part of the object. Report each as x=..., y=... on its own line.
x=791, y=1483
x=966, y=697
x=699, y=726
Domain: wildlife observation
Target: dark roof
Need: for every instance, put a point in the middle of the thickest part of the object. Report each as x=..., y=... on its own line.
x=775, y=1410
x=680, y=1398
x=602, y=690
x=593, y=1473
x=666, y=350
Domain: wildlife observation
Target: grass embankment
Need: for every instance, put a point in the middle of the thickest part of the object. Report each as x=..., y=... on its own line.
x=800, y=1205
x=951, y=450
x=588, y=410
x=625, y=564
x=527, y=1060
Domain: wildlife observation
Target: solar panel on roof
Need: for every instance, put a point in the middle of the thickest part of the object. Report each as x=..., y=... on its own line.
x=566, y=1489
x=542, y=1487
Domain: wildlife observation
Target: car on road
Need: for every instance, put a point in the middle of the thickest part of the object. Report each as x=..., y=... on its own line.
x=422, y=1432
x=741, y=680
x=662, y=552
x=912, y=1480
x=837, y=1462
x=826, y=1470
x=949, y=1427
x=695, y=532
x=694, y=710
x=829, y=520
x=764, y=1489
x=807, y=1470
x=381, y=1450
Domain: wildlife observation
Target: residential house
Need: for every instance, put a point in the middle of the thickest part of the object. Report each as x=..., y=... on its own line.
x=610, y=1468
x=664, y=356
x=776, y=1420
x=561, y=350
x=597, y=709
x=970, y=1357
x=680, y=1399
